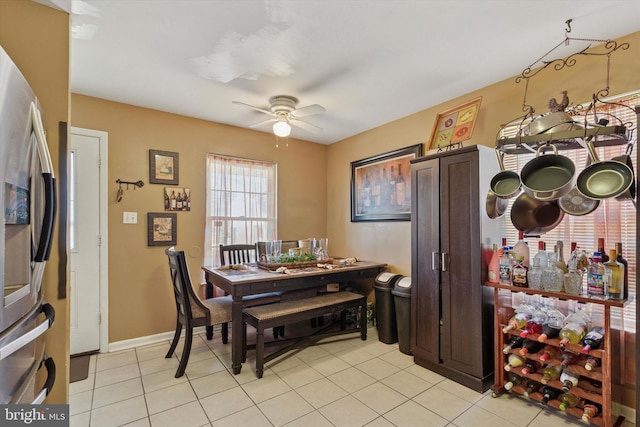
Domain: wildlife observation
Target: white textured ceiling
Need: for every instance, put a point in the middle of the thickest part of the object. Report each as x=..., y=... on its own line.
x=367, y=62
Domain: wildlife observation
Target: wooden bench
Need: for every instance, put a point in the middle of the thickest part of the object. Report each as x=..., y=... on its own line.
x=269, y=316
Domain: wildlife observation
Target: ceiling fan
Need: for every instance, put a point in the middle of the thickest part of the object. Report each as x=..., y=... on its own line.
x=284, y=112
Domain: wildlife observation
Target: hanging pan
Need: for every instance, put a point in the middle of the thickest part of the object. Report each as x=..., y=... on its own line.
x=601, y=180
x=495, y=205
x=549, y=176
x=630, y=194
x=505, y=184
x=535, y=217
x=577, y=204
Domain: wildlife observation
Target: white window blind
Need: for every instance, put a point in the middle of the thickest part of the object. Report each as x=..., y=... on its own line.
x=614, y=220
x=241, y=203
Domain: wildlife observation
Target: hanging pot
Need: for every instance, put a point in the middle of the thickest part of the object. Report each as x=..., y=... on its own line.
x=505, y=184
x=601, y=180
x=577, y=204
x=630, y=194
x=535, y=217
x=549, y=176
x=495, y=205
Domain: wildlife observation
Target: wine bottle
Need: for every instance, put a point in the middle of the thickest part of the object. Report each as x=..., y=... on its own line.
x=574, y=328
x=613, y=277
x=548, y=352
x=534, y=325
x=531, y=366
x=549, y=393
x=519, y=319
x=591, y=409
x=530, y=347
x=591, y=363
x=602, y=251
x=560, y=261
x=514, y=379
x=625, y=265
x=532, y=387
x=568, y=358
x=569, y=379
x=550, y=373
x=593, y=339
x=568, y=400
x=494, y=266
x=515, y=342
x=513, y=362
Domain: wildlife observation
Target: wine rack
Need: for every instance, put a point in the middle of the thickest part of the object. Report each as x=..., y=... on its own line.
x=594, y=385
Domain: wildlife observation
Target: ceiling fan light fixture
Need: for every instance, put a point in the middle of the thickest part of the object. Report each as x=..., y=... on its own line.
x=282, y=128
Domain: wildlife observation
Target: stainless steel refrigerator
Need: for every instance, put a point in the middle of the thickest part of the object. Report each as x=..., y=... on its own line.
x=28, y=205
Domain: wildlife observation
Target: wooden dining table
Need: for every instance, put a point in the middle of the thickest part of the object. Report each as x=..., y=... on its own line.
x=254, y=280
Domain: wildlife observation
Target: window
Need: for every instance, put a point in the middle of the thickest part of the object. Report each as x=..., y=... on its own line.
x=241, y=203
x=614, y=220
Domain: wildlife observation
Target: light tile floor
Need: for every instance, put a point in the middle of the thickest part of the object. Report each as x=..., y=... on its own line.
x=343, y=383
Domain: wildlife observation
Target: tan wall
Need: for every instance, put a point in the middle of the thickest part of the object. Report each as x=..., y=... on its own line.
x=37, y=39
x=140, y=296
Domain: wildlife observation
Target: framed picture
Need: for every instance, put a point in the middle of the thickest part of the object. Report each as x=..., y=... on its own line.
x=381, y=186
x=162, y=229
x=177, y=199
x=163, y=167
x=455, y=125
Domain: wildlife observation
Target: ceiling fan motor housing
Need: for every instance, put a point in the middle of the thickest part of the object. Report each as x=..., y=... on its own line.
x=283, y=103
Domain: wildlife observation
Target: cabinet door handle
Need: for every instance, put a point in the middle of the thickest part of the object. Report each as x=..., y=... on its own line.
x=435, y=260
x=443, y=261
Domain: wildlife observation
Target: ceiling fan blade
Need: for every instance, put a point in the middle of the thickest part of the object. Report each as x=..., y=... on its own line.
x=308, y=110
x=305, y=125
x=255, y=125
x=262, y=110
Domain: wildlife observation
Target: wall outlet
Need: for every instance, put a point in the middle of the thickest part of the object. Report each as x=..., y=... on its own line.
x=130, y=217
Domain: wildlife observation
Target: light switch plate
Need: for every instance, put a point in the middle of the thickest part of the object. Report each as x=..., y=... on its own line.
x=130, y=217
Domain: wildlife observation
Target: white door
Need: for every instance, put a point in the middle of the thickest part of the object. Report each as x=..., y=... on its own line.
x=85, y=242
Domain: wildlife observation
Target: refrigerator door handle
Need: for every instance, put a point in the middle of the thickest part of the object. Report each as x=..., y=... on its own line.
x=25, y=339
x=48, y=385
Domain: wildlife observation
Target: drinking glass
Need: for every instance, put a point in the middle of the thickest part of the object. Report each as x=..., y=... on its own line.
x=322, y=245
x=276, y=248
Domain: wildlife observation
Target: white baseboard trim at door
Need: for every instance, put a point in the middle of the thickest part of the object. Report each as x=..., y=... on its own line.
x=628, y=413
x=148, y=340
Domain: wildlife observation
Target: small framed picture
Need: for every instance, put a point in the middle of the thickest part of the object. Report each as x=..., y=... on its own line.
x=455, y=125
x=162, y=229
x=163, y=167
x=177, y=199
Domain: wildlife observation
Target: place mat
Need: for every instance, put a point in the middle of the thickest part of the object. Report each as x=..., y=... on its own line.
x=79, y=368
x=273, y=266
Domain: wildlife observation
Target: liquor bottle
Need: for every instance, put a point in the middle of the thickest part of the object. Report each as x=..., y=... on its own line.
x=613, y=277
x=569, y=358
x=591, y=409
x=548, y=352
x=519, y=274
x=534, y=275
x=400, y=187
x=542, y=256
x=603, y=253
x=519, y=319
x=521, y=250
x=506, y=265
x=595, y=276
x=552, y=326
x=592, y=363
x=550, y=373
x=552, y=276
x=593, y=339
x=625, y=263
x=530, y=367
x=514, y=380
x=573, y=279
x=501, y=247
x=560, y=261
x=574, y=329
x=568, y=400
x=515, y=342
x=549, y=393
x=530, y=347
x=513, y=362
x=532, y=387
x=568, y=379
x=494, y=266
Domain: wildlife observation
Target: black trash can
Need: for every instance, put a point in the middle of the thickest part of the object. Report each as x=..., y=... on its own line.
x=385, y=308
x=402, y=300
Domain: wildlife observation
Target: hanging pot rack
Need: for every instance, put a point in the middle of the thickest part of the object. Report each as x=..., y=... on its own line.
x=592, y=126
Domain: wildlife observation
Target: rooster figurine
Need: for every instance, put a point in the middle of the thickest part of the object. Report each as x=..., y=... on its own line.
x=554, y=107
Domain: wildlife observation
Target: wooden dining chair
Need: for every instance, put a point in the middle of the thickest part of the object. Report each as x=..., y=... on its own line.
x=237, y=254
x=191, y=310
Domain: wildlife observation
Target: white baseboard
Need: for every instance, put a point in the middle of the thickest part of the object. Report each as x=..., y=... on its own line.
x=628, y=413
x=149, y=339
